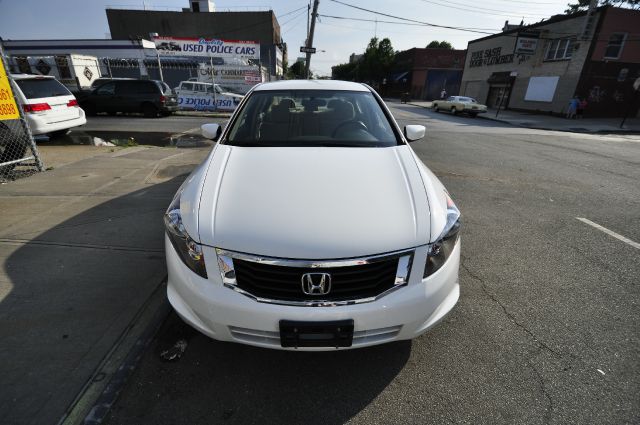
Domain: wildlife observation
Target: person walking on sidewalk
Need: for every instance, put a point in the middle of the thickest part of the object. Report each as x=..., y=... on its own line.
x=443, y=94
x=582, y=105
x=573, y=108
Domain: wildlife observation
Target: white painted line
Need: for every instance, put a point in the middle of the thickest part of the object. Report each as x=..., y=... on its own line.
x=610, y=232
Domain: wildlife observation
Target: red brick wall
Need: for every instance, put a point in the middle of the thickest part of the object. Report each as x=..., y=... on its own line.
x=620, y=20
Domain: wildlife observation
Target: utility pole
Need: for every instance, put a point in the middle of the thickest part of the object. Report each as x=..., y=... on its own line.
x=310, y=38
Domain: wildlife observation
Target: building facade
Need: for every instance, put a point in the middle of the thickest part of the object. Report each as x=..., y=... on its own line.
x=259, y=26
x=424, y=73
x=594, y=55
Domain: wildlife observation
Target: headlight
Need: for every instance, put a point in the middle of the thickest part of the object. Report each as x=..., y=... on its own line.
x=441, y=249
x=189, y=251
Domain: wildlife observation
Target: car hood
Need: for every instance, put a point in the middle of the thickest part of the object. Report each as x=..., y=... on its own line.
x=313, y=203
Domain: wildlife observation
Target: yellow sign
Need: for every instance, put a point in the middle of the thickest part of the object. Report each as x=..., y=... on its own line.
x=8, y=108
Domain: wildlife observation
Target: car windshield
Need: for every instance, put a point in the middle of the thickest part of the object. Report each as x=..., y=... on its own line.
x=312, y=118
x=36, y=88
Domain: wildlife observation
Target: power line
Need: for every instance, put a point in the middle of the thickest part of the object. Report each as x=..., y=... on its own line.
x=477, y=11
x=297, y=16
x=409, y=20
x=412, y=22
x=289, y=13
x=399, y=23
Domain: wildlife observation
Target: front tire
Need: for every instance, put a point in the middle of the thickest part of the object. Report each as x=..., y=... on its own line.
x=435, y=108
x=454, y=111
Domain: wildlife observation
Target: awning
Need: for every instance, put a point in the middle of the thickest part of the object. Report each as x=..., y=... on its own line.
x=500, y=78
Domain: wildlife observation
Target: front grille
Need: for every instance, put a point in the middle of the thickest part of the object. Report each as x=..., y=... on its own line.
x=284, y=283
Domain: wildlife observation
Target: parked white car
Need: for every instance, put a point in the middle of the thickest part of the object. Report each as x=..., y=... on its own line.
x=312, y=225
x=48, y=106
x=194, y=95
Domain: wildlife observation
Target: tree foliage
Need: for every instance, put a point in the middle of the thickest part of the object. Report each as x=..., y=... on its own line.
x=584, y=4
x=435, y=44
x=373, y=67
x=296, y=71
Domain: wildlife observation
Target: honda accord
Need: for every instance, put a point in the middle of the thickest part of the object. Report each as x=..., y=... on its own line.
x=312, y=225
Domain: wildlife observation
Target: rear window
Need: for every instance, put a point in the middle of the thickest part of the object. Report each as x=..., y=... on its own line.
x=42, y=87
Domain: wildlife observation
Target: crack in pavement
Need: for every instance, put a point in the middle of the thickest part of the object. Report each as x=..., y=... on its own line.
x=509, y=315
x=543, y=389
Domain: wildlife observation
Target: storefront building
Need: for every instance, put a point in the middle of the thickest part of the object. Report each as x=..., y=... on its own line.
x=594, y=55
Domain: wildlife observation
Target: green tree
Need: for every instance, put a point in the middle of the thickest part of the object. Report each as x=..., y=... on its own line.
x=584, y=4
x=345, y=71
x=435, y=44
x=377, y=60
x=296, y=71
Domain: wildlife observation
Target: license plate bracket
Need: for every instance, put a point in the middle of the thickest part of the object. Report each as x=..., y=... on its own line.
x=334, y=333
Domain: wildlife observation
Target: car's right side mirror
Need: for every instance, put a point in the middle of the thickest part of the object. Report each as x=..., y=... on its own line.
x=211, y=131
x=414, y=132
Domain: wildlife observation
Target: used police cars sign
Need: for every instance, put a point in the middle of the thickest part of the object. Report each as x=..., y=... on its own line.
x=180, y=46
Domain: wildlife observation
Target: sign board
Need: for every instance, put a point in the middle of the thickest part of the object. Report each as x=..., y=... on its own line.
x=8, y=107
x=238, y=79
x=307, y=49
x=526, y=45
x=207, y=47
x=541, y=89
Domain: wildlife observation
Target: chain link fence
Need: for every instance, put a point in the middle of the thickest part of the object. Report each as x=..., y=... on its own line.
x=19, y=155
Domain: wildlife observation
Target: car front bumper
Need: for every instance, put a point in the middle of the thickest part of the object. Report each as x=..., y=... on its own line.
x=226, y=315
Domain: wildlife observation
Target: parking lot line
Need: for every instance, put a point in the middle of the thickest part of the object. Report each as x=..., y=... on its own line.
x=610, y=232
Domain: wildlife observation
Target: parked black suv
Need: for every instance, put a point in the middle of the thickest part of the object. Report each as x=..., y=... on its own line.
x=150, y=97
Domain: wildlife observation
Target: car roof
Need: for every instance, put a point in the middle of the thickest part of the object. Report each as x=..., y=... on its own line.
x=30, y=76
x=311, y=85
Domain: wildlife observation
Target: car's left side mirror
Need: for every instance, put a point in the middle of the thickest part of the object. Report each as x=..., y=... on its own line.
x=211, y=131
x=414, y=132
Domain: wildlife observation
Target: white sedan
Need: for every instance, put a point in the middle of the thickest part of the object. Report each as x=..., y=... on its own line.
x=312, y=225
x=459, y=104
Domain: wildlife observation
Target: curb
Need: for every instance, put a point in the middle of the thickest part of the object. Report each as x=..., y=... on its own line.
x=94, y=401
x=565, y=130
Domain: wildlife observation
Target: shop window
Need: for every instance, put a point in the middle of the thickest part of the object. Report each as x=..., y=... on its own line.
x=614, y=47
x=559, y=49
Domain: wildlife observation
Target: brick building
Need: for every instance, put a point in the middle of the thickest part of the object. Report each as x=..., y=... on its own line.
x=425, y=72
x=594, y=55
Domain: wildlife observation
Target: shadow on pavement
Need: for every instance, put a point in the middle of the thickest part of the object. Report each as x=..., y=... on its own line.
x=70, y=292
x=216, y=381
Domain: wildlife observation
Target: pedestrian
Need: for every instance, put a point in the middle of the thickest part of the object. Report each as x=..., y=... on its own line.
x=573, y=108
x=443, y=94
x=582, y=105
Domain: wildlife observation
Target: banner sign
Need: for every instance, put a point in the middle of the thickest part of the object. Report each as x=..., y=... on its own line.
x=240, y=79
x=207, y=47
x=8, y=108
x=206, y=102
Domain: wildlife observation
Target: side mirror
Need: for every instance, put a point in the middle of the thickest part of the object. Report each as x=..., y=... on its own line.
x=211, y=131
x=414, y=132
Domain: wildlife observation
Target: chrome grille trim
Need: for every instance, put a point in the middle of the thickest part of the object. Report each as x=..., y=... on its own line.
x=227, y=272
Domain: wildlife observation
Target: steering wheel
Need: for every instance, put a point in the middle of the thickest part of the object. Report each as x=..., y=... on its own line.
x=353, y=123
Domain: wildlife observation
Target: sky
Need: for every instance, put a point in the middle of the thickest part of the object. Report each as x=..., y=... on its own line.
x=335, y=39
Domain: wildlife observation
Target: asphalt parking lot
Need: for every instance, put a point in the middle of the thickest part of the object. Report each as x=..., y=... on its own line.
x=546, y=329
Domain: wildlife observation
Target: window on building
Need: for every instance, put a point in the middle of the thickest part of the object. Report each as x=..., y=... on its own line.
x=559, y=49
x=614, y=47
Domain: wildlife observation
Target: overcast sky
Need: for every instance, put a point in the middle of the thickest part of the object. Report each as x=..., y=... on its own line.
x=51, y=19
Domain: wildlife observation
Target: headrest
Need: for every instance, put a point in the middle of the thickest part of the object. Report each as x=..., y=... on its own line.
x=342, y=108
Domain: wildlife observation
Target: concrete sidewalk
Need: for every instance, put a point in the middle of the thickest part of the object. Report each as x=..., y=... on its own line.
x=81, y=250
x=548, y=122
